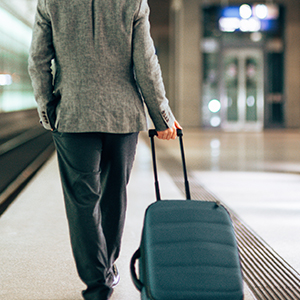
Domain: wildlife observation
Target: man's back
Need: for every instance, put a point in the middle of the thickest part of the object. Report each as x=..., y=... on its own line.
x=94, y=36
x=103, y=54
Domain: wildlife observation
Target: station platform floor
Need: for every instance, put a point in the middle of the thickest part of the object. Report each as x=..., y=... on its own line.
x=257, y=175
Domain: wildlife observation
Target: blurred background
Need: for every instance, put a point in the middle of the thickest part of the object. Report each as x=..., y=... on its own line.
x=16, y=19
x=231, y=65
x=226, y=64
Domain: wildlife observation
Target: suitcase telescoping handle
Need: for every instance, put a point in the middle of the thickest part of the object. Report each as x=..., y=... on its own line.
x=152, y=133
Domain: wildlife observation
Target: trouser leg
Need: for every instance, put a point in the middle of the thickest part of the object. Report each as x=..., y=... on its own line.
x=116, y=164
x=95, y=170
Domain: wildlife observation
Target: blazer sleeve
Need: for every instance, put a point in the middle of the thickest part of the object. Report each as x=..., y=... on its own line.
x=41, y=54
x=148, y=71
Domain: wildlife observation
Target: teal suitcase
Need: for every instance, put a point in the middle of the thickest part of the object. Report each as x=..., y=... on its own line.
x=188, y=250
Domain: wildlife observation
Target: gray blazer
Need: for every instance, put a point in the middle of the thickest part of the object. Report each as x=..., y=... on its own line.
x=93, y=66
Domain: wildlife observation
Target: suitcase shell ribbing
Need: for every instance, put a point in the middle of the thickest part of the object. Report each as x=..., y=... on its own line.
x=189, y=252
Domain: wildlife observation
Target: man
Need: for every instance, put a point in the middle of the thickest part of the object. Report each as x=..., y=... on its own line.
x=93, y=66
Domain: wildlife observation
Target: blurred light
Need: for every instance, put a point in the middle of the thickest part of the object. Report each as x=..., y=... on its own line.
x=250, y=25
x=210, y=45
x=5, y=79
x=262, y=16
x=215, y=144
x=215, y=147
x=256, y=36
x=215, y=121
x=214, y=105
x=261, y=11
x=245, y=11
x=250, y=101
x=266, y=11
x=229, y=24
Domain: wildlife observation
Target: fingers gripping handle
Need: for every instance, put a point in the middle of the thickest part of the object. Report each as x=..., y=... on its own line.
x=152, y=133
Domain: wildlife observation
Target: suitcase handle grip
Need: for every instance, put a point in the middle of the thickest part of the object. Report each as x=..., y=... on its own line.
x=138, y=284
x=152, y=133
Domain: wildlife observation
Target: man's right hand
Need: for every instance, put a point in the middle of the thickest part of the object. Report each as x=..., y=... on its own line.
x=170, y=133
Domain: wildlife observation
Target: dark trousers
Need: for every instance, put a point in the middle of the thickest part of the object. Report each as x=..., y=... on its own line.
x=95, y=170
